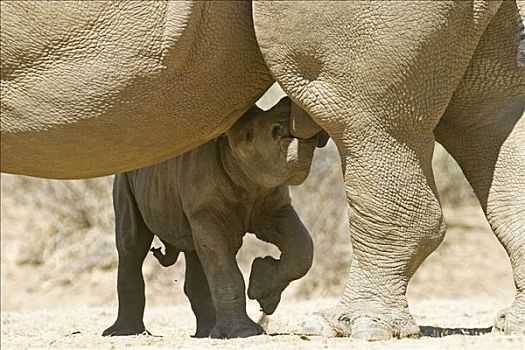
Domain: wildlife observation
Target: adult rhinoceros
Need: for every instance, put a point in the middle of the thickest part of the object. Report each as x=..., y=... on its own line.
x=95, y=88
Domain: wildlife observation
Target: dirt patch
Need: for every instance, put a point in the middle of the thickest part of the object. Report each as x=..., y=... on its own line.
x=172, y=327
x=459, y=289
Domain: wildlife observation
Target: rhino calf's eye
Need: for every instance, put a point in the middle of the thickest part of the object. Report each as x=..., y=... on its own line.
x=249, y=136
x=276, y=129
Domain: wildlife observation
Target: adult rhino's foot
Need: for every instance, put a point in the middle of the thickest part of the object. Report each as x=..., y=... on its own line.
x=263, y=286
x=510, y=321
x=339, y=321
x=326, y=323
x=236, y=328
x=120, y=328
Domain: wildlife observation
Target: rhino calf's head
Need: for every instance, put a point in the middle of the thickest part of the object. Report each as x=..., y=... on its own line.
x=261, y=141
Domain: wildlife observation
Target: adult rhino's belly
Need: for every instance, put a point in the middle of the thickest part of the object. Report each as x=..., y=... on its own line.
x=159, y=203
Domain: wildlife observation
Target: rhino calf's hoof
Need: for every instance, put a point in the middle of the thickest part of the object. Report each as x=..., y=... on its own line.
x=243, y=329
x=263, y=286
x=119, y=329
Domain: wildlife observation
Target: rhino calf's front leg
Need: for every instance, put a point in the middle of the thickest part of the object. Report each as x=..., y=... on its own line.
x=216, y=252
x=269, y=277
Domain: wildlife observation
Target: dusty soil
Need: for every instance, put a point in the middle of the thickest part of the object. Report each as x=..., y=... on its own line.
x=459, y=288
x=172, y=327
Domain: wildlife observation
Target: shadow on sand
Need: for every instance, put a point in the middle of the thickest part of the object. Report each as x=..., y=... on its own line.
x=438, y=332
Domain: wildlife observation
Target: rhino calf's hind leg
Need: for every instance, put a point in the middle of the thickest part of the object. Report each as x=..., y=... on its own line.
x=197, y=290
x=133, y=243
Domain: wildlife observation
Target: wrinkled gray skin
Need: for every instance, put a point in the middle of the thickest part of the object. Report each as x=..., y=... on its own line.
x=83, y=81
x=385, y=79
x=202, y=203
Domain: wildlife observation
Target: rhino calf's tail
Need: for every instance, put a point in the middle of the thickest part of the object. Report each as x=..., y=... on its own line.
x=169, y=257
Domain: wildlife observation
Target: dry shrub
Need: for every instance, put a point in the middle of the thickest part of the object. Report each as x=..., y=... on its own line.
x=64, y=225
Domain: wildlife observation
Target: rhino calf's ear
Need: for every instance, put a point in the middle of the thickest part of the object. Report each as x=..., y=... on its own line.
x=284, y=104
x=302, y=125
x=322, y=139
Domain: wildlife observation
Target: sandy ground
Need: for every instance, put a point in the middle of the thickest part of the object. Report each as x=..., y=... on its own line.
x=459, y=288
x=172, y=327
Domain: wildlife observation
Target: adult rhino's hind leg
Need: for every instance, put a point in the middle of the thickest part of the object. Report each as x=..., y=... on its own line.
x=377, y=77
x=395, y=223
x=133, y=242
x=484, y=130
x=493, y=160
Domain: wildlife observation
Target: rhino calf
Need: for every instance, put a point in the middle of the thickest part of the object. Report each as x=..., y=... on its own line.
x=202, y=203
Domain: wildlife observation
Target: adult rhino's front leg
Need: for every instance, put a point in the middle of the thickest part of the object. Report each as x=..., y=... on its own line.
x=377, y=77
